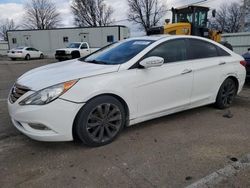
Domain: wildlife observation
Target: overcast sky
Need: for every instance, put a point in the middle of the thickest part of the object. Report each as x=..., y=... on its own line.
x=13, y=9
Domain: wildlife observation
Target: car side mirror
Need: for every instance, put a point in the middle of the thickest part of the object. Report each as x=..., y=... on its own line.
x=153, y=61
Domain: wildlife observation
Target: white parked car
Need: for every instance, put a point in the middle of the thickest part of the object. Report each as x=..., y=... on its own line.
x=128, y=82
x=74, y=50
x=24, y=53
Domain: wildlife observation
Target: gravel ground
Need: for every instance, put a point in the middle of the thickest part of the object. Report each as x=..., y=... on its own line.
x=172, y=151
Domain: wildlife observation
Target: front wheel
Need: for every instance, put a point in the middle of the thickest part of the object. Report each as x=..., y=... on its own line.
x=41, y=56
x=100, y=121
x=226, y=94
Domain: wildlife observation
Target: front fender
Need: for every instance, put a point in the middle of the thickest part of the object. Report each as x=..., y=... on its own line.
x=117, y=83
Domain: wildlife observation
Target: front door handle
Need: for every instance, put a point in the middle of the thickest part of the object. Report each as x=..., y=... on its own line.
x=186, y=71
x=222, y=63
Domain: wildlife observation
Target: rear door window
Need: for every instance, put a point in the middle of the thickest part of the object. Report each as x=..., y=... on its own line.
x=198, y=49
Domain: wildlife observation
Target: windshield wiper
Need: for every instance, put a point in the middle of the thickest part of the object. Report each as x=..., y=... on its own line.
x=97, y=62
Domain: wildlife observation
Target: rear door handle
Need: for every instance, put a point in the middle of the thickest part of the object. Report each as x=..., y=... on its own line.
x=222, y=63
x=186, y=71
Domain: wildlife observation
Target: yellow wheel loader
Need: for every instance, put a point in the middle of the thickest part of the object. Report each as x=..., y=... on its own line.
x=191, y=20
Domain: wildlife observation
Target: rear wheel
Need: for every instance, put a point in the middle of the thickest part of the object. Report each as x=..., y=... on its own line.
x=41, y=56
x=27, y=57
x=13, y=59
x=100, y=121
x=226, y=94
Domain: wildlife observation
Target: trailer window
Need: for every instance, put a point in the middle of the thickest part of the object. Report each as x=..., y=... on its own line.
x=65, y=39
x=110, y=38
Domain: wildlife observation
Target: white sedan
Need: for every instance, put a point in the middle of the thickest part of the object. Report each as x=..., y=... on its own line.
x=24, y=53
x=125, y=83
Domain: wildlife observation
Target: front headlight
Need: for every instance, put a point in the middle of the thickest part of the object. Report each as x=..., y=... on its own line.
x=67, y=52
x=48, y=94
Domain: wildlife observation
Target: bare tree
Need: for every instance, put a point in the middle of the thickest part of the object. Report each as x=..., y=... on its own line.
x=41, y=14
x=5, y=26
x=228, y=18
x=146, y=13
x=91, y=13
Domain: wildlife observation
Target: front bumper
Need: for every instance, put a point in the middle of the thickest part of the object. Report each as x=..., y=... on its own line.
x=58, y=116
x=66, y=56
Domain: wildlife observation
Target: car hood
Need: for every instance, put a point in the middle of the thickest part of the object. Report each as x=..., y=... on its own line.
x=68, y=49
x=56, y=73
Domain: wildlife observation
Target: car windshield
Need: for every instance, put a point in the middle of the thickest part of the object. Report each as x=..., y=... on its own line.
x=117, y=53
x=74, y=45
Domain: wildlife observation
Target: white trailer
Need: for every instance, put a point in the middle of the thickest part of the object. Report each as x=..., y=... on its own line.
x=3, y=47
x=49, y=40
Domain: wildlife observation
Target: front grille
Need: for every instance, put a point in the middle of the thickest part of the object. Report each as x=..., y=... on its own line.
x=17, y=91
x=60, y=52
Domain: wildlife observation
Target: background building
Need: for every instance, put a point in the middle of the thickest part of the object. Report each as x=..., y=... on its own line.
x=49, y=40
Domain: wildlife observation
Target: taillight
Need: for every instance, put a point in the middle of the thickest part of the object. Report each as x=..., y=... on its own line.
x=243, y=63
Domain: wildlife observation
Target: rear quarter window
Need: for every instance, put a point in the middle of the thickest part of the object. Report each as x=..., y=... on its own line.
x=222, y=52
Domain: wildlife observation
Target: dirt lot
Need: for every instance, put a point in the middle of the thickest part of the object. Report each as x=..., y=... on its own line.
x=173, y=151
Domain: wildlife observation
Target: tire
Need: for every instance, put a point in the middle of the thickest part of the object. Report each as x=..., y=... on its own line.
x=75, y=54
x=27, y=57
x=100, y=121
x=41, y=56
x=226, y=94
x=13, y=59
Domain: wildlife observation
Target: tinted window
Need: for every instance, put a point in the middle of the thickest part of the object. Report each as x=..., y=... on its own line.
x=65, y=39
x=33, y=49
x=201, y=49
x=222, y=52
x=118, y=53
x=110, y=38
x=84, y=46
x=170, y=51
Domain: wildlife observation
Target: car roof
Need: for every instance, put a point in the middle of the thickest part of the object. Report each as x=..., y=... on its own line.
x=151, y=37
x=165, y=36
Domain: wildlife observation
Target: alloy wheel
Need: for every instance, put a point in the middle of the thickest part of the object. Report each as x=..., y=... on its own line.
x=103, y=122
